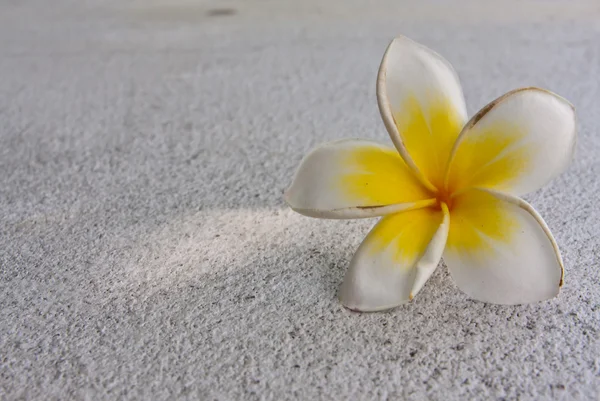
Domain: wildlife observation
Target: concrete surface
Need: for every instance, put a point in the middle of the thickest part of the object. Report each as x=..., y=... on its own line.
x=145, y=250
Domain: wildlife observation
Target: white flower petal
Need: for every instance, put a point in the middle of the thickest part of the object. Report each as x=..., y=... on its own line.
x=355, y=178
x=422, y=105
x=499, y=250
x=395, y=259
x=515, y=144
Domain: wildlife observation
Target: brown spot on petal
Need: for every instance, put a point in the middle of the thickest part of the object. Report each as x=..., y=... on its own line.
x=486, y=109
x=367, y=207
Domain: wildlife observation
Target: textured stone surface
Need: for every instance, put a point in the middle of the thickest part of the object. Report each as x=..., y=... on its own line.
x=146, y=253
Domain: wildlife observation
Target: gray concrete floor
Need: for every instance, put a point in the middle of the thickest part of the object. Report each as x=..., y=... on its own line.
x=145, y=250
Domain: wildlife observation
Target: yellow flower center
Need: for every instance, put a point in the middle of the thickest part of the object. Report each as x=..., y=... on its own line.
x=444, y=196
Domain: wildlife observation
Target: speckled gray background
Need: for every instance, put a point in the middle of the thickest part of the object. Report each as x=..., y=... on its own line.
x=145, y=250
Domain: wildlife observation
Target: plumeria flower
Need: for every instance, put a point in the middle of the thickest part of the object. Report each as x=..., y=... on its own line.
x=450, y=188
